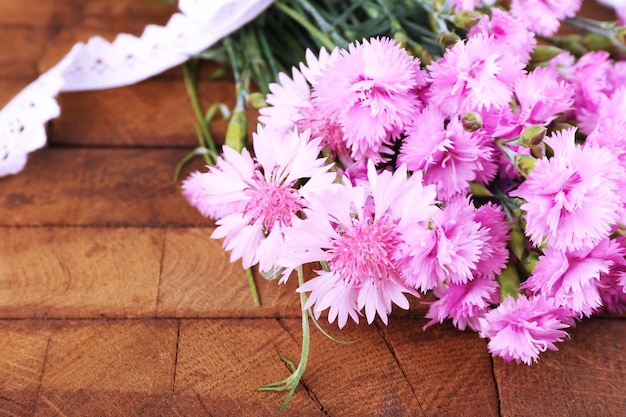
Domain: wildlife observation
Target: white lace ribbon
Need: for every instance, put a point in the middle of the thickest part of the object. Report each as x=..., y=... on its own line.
x=99, y=64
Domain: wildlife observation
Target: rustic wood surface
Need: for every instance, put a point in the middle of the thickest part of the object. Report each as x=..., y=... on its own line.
x=115, y=302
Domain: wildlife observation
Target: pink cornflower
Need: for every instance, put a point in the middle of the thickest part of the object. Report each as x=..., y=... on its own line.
x=289, y=98
x=610, y=132
x=610, y=126
x=613, y=285
x=265, y=191
x=370, y=89
x=359, y=232
x=494, y=254
x=465, y=4
x=521, y=329
x=572, y=199
x=449, y=156
x=290, y=103
x=544, y=16
x=473, y=75
x=509, y=33
x=589, y=76
x=217, y=195
x=572, y=279
x=541, y=96
x=463, y=303
x=449, y=250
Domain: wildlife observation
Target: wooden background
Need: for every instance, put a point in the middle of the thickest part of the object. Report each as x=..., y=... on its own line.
x=115, y=302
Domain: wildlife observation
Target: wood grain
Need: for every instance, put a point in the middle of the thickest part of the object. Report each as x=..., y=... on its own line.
x=198, y=280
x=586, y=376
x=95, y=228
x=222, y=362
x=449, y=370
x=166, y=119
x=80, y=186
x=79, y=272
x=23, y=346
x=108, y=368
x=365, y=377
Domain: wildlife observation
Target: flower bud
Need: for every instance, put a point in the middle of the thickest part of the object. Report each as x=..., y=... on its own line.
x=544, y=53
x=620, y=34
x=466, y=19
x=524, y=164
x=471, y=121
x=256, y=100
x=517, y=240
x=538, y=151
x=448, y=39
x=530, y=262
x=237, y=130
x=509, y=282
x=532, y=136
x=597, y=42
x=479, y=190
x=572, y=43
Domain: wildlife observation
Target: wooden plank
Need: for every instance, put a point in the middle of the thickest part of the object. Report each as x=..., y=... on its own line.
x=198, y=280
x=36, y=35
x=47, y=191
x=364, y=375
x=23, y=347
x=98, y=187
x=586, y=377
x=36, y=14
x=134, y=187
x=20, y=50
x=112, y=368
x=222, y=362
x=156, y=112
x=79, y=272
x=10, y=87
x=449, y=370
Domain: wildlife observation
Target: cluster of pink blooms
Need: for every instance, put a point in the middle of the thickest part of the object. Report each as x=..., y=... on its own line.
x=364, y=164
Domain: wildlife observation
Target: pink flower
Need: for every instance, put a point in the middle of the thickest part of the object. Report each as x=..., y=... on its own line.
x=571, y=199
x=370, y=90
x=589, y=78
x=463, y=303
x=544, y=16
x=610, y=133
x=610, y=127
x=572, y=279
x=521, y=329
x=542, y=96
x=494, y=254
x=613, y=288
x=449, y=250
x=465, y=4
x=265, y=193
x=449, y=156
x=216, y=195
x=509, y=33
x=360, y=233
x=473, y=76
x=289, y=100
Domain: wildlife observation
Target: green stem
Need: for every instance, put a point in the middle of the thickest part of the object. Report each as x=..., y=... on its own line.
x=292, y=381
x=253, y=288
x=192, y=91
x=315, y=32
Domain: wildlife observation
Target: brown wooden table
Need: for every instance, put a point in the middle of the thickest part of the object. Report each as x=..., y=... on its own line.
x=114, y=301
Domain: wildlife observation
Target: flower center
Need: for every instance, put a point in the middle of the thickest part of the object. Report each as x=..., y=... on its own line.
x=271, y=203
x=366, y=250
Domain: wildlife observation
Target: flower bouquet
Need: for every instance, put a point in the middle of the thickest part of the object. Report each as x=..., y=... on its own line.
x=471, y=155
x=472, y=158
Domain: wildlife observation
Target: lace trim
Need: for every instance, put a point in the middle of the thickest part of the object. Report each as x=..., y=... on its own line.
x=99, y=64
